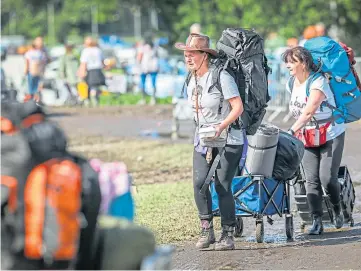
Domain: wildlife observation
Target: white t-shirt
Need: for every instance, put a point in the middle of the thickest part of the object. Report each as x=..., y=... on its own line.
x=299, y=99
x=37, y=61
x=93, y=57
x=149, y=62
x=209, y=102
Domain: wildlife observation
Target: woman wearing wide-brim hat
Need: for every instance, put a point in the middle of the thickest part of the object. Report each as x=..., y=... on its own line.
x=218, y=108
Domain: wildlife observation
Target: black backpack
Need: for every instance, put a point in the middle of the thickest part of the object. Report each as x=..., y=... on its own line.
x=241, y=54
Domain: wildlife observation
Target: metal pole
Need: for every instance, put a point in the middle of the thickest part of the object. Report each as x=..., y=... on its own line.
x=137, y=23
x=334, y=14
x=51, y=23
x=94, y=19
x=13, y=23
x=154, y=17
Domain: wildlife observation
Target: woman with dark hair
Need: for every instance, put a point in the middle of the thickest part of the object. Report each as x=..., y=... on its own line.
x=323, y=138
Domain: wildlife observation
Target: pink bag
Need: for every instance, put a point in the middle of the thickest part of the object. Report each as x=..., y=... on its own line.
x=115, y=182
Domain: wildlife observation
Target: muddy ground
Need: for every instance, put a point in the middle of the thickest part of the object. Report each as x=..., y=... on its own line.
x=336, y=249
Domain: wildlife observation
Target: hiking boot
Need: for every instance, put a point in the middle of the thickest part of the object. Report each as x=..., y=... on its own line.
x=206, y=237
x=226, y=242
x=338, y=216
x=317, y=226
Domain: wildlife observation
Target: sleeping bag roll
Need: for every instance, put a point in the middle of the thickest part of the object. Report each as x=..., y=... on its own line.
x=261, y=151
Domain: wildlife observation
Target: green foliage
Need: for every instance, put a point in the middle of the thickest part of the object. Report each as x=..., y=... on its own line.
x=129, y=99
x=288, y=18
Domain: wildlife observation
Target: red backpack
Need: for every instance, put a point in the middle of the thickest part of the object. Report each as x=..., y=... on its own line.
x=351, y=57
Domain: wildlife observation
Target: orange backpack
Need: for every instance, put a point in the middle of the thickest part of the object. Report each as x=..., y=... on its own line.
x=50, y=209
x=49, y=216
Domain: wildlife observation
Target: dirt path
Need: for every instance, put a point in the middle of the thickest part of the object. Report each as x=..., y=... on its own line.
x=333, y=250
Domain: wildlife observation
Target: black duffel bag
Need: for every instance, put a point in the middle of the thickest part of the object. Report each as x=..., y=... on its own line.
x=289, y=155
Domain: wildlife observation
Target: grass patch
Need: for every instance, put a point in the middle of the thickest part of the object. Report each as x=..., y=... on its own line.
x=128, y=99
x=168, y=210
x=116, y=71
x=162, y=174
x=148, y=161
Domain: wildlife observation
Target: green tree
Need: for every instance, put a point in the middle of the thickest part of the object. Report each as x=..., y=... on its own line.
x=288, y=18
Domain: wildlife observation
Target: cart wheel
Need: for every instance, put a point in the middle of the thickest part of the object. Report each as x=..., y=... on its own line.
x=303, y=227
x=259, y=231
x=352, y=222
x=239, y=227
x=289, y=226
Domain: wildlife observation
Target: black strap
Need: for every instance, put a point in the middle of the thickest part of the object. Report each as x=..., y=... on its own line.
x=211, y=172
x=263, y=148
x=216, y=83
x=227, y=49
x=291, y=82
x=186, y=82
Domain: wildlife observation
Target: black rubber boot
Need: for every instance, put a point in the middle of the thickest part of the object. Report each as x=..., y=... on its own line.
x=317, y=226
x=338, y=216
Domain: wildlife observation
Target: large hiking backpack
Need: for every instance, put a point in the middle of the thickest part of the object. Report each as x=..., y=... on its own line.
x=334, y=64
x=241, y=54
x=51, y=201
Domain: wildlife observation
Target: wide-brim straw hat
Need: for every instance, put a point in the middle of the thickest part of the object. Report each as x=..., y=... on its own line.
x=196, y=42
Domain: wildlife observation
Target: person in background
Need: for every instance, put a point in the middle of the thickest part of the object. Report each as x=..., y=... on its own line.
x=323, y=153
x=292, y=42
x=195, y=28
x=149, y=65
x=68, y=67
x=320, y=29
x=309, y=33
x=40, y=43
x=91, y=69
x=3, y=58
x=35, y=62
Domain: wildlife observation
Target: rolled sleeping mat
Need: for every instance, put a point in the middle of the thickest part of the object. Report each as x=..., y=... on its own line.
x=262, y=147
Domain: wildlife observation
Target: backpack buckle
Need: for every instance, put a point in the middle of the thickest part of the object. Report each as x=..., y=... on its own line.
x=340, y=80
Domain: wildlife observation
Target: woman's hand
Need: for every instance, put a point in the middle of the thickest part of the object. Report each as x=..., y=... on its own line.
x=219, y=129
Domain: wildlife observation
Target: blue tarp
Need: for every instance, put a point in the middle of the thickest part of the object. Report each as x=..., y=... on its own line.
x=250, y=198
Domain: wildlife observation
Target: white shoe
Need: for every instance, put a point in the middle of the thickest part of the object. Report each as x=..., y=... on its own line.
x=153, y=101
x=142, y=102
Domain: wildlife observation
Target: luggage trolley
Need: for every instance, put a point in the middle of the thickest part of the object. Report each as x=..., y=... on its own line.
x=256, y=196
x=347, y=199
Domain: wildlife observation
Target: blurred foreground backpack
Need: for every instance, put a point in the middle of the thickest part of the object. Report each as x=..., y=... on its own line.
x=50, y=198
x=115, y=185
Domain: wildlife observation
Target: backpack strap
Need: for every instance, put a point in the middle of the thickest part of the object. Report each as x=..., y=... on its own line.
x=328, y=76
x=186, y=83
x=216, y=83
x=211, y=172
x=290, y=83
x=312, y=78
